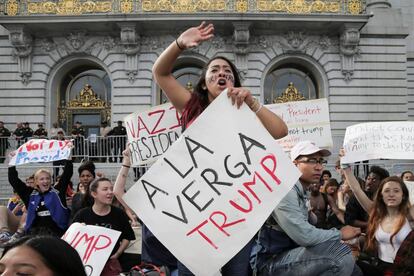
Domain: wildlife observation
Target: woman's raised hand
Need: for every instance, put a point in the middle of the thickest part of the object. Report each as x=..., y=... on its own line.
x=239, y=95
x=194, y=36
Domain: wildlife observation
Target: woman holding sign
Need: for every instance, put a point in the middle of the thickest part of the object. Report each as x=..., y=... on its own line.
x=102, y=213
x=47, y=212
x=218, y=75
x=388, y=230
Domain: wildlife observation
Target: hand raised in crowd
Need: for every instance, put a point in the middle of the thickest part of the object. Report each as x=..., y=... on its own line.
x=100, y=174
x=195, y=36
x=349, y=232
x=127, y=156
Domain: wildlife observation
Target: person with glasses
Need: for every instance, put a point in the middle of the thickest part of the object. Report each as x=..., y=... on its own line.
x=288, y=244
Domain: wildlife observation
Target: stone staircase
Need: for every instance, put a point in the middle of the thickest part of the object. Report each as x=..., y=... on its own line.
x=110, y=170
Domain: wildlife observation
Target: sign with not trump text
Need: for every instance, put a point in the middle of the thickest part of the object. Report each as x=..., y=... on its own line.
x=388, y=140
x=207, y=196
x=93, y=243
x=152, y=132
x=41, y=150
x=306, y=120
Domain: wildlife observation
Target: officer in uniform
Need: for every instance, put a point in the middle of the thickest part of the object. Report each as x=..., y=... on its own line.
x=40, y=132
x=27, y=132
x=79, y=132
x=119, y=140
x=18, y=133
x=4, y=142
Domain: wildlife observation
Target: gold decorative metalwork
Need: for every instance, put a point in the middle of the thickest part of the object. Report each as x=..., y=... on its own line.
x=354, y=6
x=126, y=6
x=12, y=7
x=291, y=94
x=69, y=7
x=302, y=6
x=189, y=86
x=87, y=99
x=183, y=6
x=78, y=7
x=242, y=6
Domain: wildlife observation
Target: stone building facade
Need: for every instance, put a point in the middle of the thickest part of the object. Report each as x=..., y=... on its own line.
x=70, y=60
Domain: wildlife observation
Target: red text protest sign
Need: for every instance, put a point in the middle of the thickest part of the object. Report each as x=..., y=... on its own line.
x=207, y=196
x=151, y=133
x=306, y=120
x=93, y=243
x=41, y=150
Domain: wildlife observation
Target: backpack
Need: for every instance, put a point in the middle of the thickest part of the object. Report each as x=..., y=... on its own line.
x=146, y=269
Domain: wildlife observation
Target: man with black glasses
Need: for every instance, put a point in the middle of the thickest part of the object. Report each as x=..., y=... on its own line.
x=288, y=244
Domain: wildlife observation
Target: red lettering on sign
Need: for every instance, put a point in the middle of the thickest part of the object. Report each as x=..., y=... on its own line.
x=202, y=234
x=92, y=244
x=161, y=112
x=223, y=224
x=144, y=126
x=131, y=129
x=270, y=171
x=177, y=116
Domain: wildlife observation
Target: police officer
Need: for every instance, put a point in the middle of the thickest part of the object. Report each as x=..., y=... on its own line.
x=27, y=131
x=18, y=133
x=119, y=140
x=4, y=143
x=79, y=132
x=40, y=132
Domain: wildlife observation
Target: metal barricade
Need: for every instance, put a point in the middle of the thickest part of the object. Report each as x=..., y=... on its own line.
x=95, y=148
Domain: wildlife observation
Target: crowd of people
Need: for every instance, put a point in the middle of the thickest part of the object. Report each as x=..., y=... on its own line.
x=108, y=146
x=321, y=227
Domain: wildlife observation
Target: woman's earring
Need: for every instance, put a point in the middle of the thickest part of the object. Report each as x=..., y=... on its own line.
x=203, y=87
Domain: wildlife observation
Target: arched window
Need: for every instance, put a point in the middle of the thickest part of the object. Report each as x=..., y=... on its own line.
x=85, y=96
x=288, y=76
x=187, y=76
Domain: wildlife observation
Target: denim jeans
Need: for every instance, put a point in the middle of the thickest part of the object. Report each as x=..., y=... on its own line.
x=328, y=258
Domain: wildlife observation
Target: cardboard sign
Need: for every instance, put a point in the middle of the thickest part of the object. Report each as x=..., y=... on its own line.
x=306, y=120
x=410, y=187
x=152, y=132
x=93, y=243
x=388, y=140
x=41, y=150
x=207, y=196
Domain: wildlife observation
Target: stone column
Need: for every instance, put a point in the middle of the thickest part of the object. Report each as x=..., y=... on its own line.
x=241, y=36
x=373, y=4
x=131, y=47
x=22, y=42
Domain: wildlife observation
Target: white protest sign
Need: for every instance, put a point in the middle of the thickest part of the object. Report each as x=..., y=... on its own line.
x=41, y=150
x=410, y=187
x=152, y=132
x=306, y=120
x=207, y=196
x=93, y=243
x=388, y=140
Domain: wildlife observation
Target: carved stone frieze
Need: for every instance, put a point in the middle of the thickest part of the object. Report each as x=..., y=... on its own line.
x=22, y=43
x=47, y=45
x=294, y=42
x=349, y=50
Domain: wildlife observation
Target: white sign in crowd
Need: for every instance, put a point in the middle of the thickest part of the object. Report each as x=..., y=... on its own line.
x=306, y=120
x=41, y=150
x=387, y=140
x=152, y=132
x=210, y=192
x=93, y=243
